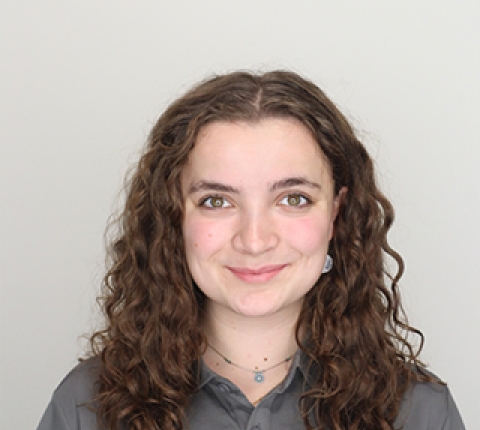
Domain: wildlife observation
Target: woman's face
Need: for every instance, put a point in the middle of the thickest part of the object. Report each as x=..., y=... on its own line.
x=259, y=213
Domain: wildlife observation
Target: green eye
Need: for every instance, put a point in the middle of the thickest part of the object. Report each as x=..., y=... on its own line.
x=215, y=202
x=295, y=200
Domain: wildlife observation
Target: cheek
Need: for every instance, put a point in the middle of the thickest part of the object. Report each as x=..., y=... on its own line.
x=202, y=238
x=309, y=235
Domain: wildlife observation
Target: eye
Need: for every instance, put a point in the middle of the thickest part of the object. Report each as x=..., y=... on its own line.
x=215, y=202
x=295, y=200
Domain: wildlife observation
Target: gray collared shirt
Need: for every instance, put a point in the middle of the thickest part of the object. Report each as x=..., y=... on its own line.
x=219, y=404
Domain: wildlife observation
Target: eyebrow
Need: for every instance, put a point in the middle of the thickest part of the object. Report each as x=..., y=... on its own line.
x=212, y=186
x=223, y=188
x=292, y=182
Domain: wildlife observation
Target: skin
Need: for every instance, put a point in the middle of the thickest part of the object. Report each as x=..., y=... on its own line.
x=259, y=215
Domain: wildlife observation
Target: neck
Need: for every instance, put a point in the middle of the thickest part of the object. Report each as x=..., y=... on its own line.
x=252, y=344
x=251, y=341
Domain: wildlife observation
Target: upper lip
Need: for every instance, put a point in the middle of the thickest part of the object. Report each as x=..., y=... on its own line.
x=257, y=271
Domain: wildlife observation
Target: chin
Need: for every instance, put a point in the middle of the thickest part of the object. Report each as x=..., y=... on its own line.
x=256, y=313
x=256, y=307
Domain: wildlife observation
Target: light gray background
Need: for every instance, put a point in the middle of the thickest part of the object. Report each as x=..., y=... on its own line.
x=82, y=82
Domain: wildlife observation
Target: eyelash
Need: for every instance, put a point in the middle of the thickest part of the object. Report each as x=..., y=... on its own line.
x=284, y=201
x=304, y=200
x=207, y=202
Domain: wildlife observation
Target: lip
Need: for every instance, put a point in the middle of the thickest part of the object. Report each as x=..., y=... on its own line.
x=262, y=274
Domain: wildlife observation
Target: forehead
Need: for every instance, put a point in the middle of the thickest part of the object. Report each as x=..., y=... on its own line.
x=261, y=151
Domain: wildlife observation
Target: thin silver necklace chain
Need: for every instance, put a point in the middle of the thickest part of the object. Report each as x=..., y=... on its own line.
x=258, y=374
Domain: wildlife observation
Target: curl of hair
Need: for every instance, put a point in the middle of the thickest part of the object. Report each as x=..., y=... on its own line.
x=352, y=325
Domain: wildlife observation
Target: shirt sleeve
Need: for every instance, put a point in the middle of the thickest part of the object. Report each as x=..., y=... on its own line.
x=453, y=419
x=54, y=418
x=72, y=405
x=429, y=406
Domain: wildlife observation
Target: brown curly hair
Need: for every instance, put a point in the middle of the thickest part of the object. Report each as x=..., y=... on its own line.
x=354, y=331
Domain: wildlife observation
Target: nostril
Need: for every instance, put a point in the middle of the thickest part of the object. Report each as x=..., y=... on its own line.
x=255, y=236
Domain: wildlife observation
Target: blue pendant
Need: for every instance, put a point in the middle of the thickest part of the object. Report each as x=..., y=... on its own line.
x=259, y=377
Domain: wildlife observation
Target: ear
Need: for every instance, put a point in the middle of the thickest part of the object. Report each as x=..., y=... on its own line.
x=337, y=204
x=338, y=201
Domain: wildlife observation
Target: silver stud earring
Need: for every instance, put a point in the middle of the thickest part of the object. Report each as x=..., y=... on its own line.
x=327, y=266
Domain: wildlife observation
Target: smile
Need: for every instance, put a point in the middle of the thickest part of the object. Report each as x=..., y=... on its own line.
x=263, y=274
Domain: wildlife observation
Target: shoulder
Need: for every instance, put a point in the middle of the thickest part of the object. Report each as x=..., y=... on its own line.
x=429, y=406
x=72, y=405
x=80, y=382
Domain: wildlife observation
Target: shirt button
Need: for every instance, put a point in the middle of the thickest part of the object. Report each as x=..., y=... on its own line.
x=224, y=388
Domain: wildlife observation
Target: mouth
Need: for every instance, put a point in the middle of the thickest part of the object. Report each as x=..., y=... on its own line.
x=262, y=274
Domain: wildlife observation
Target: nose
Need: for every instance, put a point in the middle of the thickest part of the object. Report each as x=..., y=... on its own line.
x=255, y=234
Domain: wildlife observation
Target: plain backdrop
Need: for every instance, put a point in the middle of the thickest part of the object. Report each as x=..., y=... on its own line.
x=82, y=82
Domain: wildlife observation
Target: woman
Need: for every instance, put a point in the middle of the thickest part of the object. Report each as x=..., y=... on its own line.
x=248, y=286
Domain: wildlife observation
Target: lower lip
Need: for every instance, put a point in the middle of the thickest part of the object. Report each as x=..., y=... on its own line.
x=257, y=277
